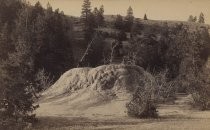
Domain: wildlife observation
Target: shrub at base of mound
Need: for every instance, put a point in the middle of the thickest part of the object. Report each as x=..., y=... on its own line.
x=197, y=83
x=141, y=105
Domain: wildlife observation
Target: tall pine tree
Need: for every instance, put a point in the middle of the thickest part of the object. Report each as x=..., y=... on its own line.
x=145, y=17
x=86, y=11
x=101, y=16
x=129, y=19
x=201, y=18
x=88, y=20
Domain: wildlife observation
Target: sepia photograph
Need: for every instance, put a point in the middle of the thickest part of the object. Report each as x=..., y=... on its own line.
x=104, y=64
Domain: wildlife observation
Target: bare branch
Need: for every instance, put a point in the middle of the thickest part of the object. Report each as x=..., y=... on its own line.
x=112, y=51
x=87, y=50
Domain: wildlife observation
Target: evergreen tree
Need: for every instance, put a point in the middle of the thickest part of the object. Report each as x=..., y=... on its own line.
x=34, y=40
x=136, y=28
x=96, y=16
x=191, y=18
x=129, y=19
x=86, y=11
x=195, y=19
x=201, y=18
x=37, y=10
x=130, y=13
x=89, y=28
x=145, y=17
x=101, y=16
x=9, y=11
x=3, y=9
x=88, y=20
x=95, y=11
x=49, y=8
x=54, y=39
x=101, y=10
x=119, y=24
x=18, y=75
x=6, y=45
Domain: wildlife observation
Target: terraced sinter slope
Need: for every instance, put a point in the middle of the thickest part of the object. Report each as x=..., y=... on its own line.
x=104, y=90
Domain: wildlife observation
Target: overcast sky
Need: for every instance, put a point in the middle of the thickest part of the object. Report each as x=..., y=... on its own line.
x=155, y=9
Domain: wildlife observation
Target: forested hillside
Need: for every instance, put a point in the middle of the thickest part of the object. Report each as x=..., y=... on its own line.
x=35, y=49
x=37, y=45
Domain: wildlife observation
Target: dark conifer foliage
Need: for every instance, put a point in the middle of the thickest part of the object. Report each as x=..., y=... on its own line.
x=201, y=18
x=88, y=20
x=99, y=16
x=145, y=17
x=86, y=10
x=31, y=39
x=192, y=19
x=119, y=23
x=129, y=19
x=54, y=40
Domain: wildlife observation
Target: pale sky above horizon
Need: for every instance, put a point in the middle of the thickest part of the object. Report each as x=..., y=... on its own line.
x=155, y=9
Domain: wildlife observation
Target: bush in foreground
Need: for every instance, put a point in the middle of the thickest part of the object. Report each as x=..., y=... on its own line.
x=156, y=88
x=199, y=87
x=140, y=106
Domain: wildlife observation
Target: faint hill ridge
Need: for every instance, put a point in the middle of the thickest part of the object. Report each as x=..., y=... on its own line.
x=111, y=18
